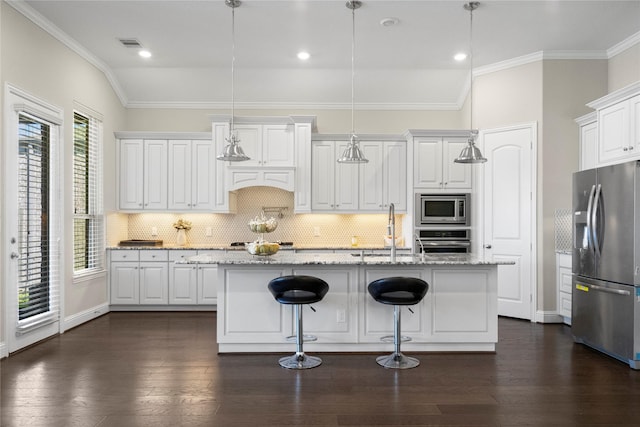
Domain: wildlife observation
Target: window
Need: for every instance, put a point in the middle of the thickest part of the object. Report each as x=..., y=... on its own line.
x=88, y=219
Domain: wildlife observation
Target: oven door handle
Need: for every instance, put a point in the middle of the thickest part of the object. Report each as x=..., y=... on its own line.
x=463, y=244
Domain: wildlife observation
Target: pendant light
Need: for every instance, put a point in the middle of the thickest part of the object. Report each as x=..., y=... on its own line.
x=232, y=151
x=353, y=154
x=471, y=153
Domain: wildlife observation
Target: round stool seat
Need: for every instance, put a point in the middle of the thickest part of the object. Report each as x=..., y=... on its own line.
x=398, y=290
x=298, y=289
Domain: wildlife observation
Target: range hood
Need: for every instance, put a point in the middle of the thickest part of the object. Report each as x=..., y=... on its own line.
x=239, y=177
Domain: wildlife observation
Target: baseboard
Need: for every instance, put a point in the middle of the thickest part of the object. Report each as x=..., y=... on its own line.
x=548, y=317
x=3, y=350
x=141, y=307
x=85, y=316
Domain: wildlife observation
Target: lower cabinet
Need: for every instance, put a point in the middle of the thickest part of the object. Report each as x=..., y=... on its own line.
x=151, y=277
x=139, y=277
x=563, y=282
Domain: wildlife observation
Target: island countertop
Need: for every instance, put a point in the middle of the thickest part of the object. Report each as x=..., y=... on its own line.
x=349, y=258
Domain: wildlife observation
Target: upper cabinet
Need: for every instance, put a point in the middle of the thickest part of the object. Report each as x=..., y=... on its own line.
x=270, y=145
x=334, y=186
x=588, y=126
x=383, y=180
x=191, y=175
x=143, y=174
x=618, y=122
x=433, y=161
x=165, y=171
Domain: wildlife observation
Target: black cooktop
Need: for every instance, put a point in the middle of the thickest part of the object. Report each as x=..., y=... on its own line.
x=280, y=243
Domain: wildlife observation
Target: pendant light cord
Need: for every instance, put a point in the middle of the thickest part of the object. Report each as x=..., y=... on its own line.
x=353, y=68
x=233, y=61
x=471, y=7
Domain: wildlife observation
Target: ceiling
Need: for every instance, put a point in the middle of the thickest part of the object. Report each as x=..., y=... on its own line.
x=404, y=66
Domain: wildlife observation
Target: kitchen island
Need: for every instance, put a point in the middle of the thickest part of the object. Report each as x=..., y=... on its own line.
x=459, y=312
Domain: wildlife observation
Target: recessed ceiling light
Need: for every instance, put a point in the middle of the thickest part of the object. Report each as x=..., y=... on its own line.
x=144, y=53
x=389, y=22
x=303, y=55
x=460, y=56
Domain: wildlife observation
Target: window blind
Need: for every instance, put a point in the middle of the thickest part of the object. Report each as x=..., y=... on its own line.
x=88, y=223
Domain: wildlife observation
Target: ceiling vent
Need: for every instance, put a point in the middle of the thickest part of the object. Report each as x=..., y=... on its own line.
x=132, y=43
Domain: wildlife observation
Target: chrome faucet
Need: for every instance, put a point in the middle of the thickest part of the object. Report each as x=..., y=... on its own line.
x=391, y=230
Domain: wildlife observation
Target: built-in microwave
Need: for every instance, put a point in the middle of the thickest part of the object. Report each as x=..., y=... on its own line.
x=442, y=209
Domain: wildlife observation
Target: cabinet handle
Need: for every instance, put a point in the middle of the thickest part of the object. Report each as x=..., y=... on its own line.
x=631, y=148
x=625, y=149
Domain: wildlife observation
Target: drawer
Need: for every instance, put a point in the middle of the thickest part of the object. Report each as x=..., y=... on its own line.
x=125, y=255
x=154, y=255
x=176, y=255
x=565, y=280
x=565, y=304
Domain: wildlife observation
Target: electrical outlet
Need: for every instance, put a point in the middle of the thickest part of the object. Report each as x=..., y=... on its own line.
x=316, y=231
x=341, y=316
x=208, y=232
x=154, y=231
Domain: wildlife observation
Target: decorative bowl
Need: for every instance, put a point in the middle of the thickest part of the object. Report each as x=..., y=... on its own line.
x=263, y=225
x=262, y=248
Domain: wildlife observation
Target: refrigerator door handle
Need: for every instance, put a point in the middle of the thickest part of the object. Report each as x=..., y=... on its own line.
x=609, y=290
x=589, y=213
x=594, y=220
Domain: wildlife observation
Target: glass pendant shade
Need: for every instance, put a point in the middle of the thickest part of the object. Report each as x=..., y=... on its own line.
x=352, y=154
x=232, y=151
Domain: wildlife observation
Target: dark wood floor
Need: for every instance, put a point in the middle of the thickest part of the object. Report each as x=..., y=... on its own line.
x=161, y=369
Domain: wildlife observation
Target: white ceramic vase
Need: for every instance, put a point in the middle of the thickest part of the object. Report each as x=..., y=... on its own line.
x=181, y=239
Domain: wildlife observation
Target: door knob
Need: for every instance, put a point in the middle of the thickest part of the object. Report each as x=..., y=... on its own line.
x=14, y=255
x=487, y=246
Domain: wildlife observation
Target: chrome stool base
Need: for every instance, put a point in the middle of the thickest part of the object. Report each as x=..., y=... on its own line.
x=397, y=361
x=300, y=361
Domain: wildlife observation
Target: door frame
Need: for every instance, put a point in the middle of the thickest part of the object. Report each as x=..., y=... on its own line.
x=14, y=97
x=478, y=203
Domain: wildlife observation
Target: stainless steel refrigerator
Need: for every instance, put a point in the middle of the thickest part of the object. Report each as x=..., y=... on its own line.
x=605, y=312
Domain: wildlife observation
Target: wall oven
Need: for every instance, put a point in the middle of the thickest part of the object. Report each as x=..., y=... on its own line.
x=441, y=209
x=433, y=240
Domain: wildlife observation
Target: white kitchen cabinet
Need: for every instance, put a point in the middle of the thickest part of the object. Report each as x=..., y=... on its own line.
x=563, y=283
x=618, y=118
x=383, y=179
x=191, y=175
x=588, y=127
x=143, y=174
x=334, y=186
x=270, y=145
x=434, y=166
x=139, y=277
x=191, y=284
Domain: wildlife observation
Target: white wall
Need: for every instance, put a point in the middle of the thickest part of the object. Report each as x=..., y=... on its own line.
x=40, y=65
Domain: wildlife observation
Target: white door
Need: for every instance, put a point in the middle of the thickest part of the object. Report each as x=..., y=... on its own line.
x=509, y=214
x=31, y=210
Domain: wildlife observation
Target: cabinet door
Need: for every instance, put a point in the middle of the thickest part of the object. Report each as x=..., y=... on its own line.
x=131, y=174
x=278, y=145
x=427, y=167
x=250, y=137
x=322, y=175
x=154, y=283
x=613, y=135
x=179, y=191
x=203, y=179
x=155, y=174
x=346, y=181
x=371, y=177
x=395, y=175
x=634, y=106
x=208, y=284
x=588, y=146
x=455, y=175
x=183, y=281
x=124, y=282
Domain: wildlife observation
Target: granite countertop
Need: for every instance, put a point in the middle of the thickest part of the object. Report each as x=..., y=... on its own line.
x=290, y=258
x=226, y=247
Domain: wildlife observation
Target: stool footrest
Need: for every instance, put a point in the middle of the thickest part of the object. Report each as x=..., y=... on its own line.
x=391, y=338
x=305, y=338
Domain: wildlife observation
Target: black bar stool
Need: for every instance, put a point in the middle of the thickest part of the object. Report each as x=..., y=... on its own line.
x=398, y=291
x=298, y=290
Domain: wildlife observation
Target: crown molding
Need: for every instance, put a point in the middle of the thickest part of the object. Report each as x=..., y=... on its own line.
x=46, y=25
x=623, y=45
x=294, y=106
